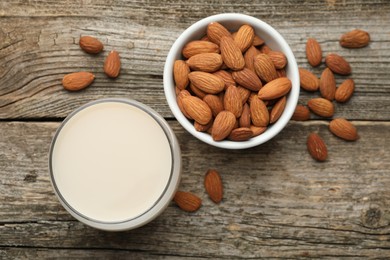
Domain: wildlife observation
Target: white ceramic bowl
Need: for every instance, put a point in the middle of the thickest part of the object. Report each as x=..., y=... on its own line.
x=232, y=21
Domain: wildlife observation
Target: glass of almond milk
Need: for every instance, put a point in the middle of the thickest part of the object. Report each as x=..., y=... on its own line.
x=115, y=164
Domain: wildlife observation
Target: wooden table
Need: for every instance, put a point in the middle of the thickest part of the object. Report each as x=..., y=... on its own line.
x=278, y=201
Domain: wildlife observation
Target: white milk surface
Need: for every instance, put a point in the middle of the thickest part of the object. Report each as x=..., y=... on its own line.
x=111, y=161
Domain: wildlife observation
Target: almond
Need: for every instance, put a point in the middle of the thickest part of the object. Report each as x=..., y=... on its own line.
x=345, y=91
x=197, y=92
x=90, y=44
x=265, y=49
x=278, y=58
x=208, y=62
x=187, y=201
x=338, y=64
x=343, y=129
x=245, y=93
x=179, y=100
x=317, y=147
x=215, y=32
x=112, y=64
x=245, y=118
x=213, y=185
x=231, y=54
x=244, y=37
x=226, y=77
x=203, y=128
x=223, y=124
x=264, y=67
x=232, y=101
x=197, y=47
x=197, y=109
x=277, y=110
x=214, y=103
x=249, y=57
x=321, y=106
x=308, y=80
x=206, y=82
x=248, y=79
x=301, y=113
x=281, y=73
x=259, y=112
x=257, y=130
x=313, y=52
x=275, y=89
x=257, y=41
x=355, y=39
x=180, y=74
x=77, y=80
x=327, y=84
x=240, y=134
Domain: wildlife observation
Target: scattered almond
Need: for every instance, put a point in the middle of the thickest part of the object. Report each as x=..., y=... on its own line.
x=355, y=39
x=313, y=52
x=343, y=129
x=321, y=106
x=327, y=84
x=112, y=64
x=77, y=80
x=301, y=113
x=317, y=147
x=213, y=185
x=308, y=80
x=338, y=64
x=187, y=201
x=345, y=91
x=90, y=44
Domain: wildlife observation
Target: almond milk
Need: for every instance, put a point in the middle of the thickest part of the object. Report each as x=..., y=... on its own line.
x=111, y=162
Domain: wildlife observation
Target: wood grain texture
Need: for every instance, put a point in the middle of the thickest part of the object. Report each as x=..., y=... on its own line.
x=278, y=202
x=34, y=58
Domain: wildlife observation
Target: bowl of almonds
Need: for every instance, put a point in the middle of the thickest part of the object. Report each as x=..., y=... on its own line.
x=232, y=81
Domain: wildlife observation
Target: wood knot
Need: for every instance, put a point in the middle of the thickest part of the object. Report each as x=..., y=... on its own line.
x=372, y=217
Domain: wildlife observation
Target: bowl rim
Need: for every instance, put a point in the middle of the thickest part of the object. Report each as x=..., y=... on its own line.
x=169, y=89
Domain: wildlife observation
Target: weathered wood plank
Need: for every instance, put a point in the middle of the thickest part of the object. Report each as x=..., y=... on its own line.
x=278, y=202
x=34, y=58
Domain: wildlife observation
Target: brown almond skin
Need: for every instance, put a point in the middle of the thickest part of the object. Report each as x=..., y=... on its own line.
x=259, y=112
x=275, y=89
x=245, y=118
x=301, y=113
x=91, y=44
x=197, y=47
x=277, y=110
x=265, y=67
x=232, y=101
x=112, y=64
x=257, y=130
x=313, y=52
x=226, y=77
x=213, y=185
x=327, y=84
x=203, y=128
x=244, y=37
x=240, y=134
x=249, y=57
x=248, y=79
x=278, y=58
x=215, y=104
x=345, y=91
x=338, y=64
x=223, y=124
x=206, y=82
x=179, y=100
x=180, y=74
x=317, y=147
x=308, y=80
x=257, y=41
x=321, y=106
x=77, y=80
x=231, y=54
x=215, y=32
x=355, y=39
x=207, y=62
x=187, y=201
x=245, y=93
x=197, y=109
x=343, y=129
